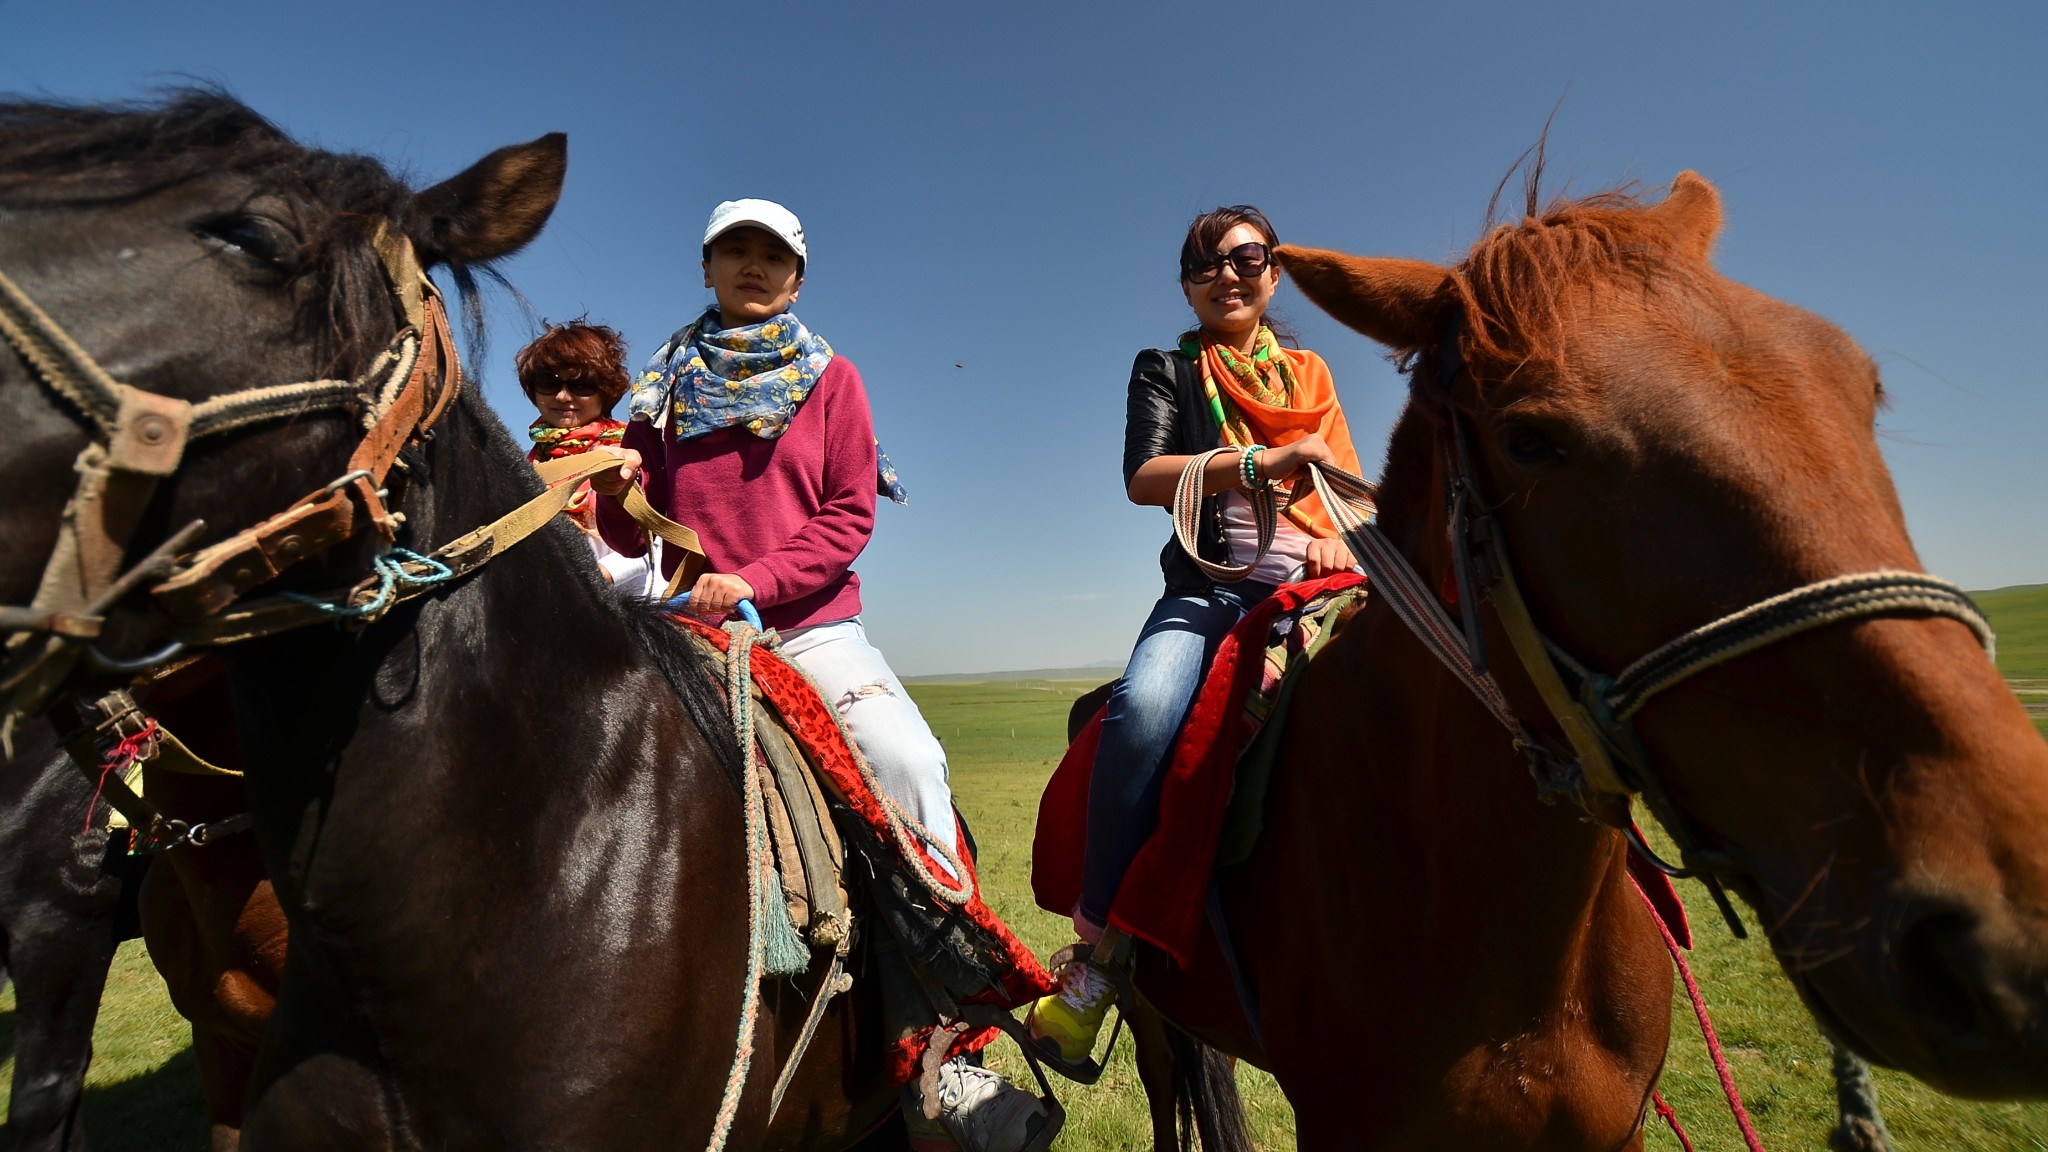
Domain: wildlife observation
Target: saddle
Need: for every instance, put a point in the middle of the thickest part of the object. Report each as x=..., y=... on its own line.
x=1212, y=802
x=825, y=813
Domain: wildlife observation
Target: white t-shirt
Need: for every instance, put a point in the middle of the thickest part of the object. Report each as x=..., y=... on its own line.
x=632, y=576
x=1241, y=535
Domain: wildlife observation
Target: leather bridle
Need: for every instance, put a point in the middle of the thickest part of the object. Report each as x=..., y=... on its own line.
x=138, y=438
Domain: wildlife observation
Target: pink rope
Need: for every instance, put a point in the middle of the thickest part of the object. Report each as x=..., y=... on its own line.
x=117, y=759
x=1671, y=1117
x=1699, y=1009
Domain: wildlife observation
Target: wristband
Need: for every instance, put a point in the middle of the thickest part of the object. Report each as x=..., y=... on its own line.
x=1248, y=464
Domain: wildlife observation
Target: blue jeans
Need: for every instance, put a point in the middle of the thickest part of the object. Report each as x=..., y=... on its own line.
x=1144, y=716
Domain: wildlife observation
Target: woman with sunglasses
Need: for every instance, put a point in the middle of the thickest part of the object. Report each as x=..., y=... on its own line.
x=752, y=430
x=575, y=373
x=1226, y=384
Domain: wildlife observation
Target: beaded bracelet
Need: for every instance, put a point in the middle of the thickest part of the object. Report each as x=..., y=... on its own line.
x=1248, y=463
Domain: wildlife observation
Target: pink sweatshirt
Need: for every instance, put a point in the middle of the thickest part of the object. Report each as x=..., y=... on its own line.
x=786, y=515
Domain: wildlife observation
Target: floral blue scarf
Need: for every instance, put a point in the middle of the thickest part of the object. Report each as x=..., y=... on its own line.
x=707, y=378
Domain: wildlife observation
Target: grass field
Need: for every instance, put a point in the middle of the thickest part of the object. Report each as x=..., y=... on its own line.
x=1004, y=739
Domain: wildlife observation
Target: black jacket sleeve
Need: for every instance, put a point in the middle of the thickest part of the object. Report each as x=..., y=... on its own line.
x=1166, y=414
x=1151, y=411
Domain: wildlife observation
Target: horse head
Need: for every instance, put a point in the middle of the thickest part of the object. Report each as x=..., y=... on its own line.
x=1656, y=447
x=194, y=252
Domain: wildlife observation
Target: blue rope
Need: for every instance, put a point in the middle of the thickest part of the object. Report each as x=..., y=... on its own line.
x=390, y=574
x=746, y=609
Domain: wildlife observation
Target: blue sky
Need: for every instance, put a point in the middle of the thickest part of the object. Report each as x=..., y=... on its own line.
x=1003, y=188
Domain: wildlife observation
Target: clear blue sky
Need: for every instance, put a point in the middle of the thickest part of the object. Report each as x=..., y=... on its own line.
x=1003, y=187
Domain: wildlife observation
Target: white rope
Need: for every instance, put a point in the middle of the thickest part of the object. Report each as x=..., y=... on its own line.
x=1857, y=596
x=738, y=675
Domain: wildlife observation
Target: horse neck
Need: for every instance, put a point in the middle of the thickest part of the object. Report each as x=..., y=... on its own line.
x=1472, y=783
x=499, y=685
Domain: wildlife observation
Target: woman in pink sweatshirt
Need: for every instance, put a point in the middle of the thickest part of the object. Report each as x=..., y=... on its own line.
x=750, y=429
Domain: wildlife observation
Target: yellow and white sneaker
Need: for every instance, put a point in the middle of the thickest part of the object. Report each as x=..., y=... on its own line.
x=1066, y=1023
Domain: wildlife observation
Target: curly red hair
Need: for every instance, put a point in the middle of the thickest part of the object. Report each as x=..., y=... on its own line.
x=575, y=351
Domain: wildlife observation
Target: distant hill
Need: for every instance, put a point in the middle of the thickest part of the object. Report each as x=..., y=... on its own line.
x=1094, y=673
x=2020, y=617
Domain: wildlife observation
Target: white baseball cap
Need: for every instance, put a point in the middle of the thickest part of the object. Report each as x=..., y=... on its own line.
x=761, y=214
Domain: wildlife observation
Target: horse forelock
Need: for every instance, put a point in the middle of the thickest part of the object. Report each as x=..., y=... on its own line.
x=1518, y=283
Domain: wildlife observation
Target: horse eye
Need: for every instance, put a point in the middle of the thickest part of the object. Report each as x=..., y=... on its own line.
x=1529, y=447
x=258, y=237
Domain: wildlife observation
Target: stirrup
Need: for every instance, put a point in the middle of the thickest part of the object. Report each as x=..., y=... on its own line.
x=1087, y=1070
x=989, y=1016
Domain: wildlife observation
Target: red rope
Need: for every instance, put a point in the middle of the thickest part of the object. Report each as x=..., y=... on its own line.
x=1699, y=1009
x=126, y=751
x=1671, y=1118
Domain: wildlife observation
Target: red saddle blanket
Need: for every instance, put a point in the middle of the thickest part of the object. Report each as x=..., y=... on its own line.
x=1163, y=897
x=809, y=719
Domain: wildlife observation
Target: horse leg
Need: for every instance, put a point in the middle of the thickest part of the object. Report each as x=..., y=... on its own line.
x=1157, y=1068
x=198, y=928
x=225, y=1063
x=58, y=977
x=1861, y=1127
x=1190, y=1088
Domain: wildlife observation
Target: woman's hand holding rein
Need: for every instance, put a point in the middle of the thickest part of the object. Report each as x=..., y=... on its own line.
x=615, y=483
x=1284, y=463
x=1155, y=479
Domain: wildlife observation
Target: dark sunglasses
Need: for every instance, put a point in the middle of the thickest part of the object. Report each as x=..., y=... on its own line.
x=1248, y=259
x=550, y=385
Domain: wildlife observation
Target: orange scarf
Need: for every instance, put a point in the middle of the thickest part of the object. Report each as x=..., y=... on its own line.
x=1293, y=396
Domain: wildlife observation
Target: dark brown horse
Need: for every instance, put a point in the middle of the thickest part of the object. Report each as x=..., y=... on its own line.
x=514, y=923
x=59, y=900
x=1441, y=961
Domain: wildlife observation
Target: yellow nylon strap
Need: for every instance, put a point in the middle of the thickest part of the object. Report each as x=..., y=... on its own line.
x=634, y=503
x=273, y=614
x=1578, y=727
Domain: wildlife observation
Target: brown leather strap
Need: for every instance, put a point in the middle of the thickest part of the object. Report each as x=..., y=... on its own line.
x=462, y=555
x=226, y=571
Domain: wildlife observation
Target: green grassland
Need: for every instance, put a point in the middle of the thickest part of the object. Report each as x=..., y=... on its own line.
x=2020, y=617
x=1004, y=739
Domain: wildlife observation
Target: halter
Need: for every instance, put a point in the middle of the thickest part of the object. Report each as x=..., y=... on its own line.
x=139, y=437
x=1606, y=763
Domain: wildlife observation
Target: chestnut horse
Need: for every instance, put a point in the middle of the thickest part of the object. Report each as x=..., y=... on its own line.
x=1440, y=961
x=212, y=923
x=512, y=923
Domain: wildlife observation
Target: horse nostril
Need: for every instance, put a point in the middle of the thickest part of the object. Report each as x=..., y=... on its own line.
x=1940, y=964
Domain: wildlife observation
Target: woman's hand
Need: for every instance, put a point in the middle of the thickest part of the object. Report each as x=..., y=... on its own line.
x=1328, y=557
x=718, y=593
x=1286, y=462
x=615, y=482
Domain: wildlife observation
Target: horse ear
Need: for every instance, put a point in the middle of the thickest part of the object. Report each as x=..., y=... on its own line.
x=1399, y=303
x=1693, y=213
x=494, y=207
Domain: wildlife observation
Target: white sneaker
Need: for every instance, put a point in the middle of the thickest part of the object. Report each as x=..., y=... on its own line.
x=983, y=1112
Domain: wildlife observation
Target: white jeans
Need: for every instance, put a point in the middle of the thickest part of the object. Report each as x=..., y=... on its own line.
x=883, y=720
